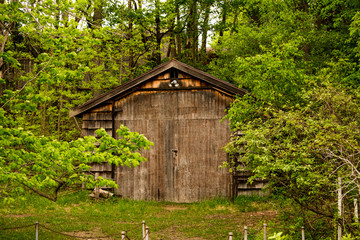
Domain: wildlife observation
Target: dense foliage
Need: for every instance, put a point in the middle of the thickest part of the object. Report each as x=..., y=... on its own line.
x=300, y=122
x=298, y=59
x=46, y=166
x=56, y=55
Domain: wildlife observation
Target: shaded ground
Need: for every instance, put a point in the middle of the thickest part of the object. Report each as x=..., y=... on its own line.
x=94, y=234
x=253, y=220
x=78, y=216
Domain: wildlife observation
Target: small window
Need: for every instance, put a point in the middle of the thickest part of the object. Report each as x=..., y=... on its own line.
x=174, y=74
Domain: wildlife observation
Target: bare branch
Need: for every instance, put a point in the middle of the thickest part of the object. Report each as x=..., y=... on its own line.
x=345, y=160
x=41, y=193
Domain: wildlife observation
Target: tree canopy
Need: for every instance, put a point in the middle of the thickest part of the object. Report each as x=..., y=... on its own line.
x=46, y=166
x=300, y=122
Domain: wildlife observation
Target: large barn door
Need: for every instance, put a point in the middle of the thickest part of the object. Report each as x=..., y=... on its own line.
x=155, y=116
x=192, y=152
x=170, y=154
x=183, y=164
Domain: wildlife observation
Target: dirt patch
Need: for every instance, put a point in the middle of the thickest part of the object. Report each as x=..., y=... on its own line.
x=18, y=215
x=125, y=222
x=172, y=233
x=95, y=234
x=175, y=207
x=67, y=209
x=269, y=214
x=253, y=220
x=229, y=208
x=256, y=219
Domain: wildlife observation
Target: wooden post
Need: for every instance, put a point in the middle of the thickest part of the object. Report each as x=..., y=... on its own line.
x=123, y=234
x=143, y=229
x=146, y=233
x=245, y=233
x=232, y=187
x=37, y=230
x=356, y=210
x=230, y=236
x=339, y=208
x=97, y=188
x=265, y=231
x=302, y=233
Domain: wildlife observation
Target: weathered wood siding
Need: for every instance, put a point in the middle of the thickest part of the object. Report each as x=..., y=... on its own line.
x=243, y=187
x=182, y=118
x=102, y=169
x=185, y=125
x=100, y=117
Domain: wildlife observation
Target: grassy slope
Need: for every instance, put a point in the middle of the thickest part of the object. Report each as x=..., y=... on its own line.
x=76, y=214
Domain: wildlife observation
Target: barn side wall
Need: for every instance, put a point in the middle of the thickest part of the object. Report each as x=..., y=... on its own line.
x=185, y=125
x=188, y=134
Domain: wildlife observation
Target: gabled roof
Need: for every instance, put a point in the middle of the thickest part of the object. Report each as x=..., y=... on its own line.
x=116, y=92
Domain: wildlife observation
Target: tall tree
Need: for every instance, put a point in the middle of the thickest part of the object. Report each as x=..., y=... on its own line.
x=299, y=121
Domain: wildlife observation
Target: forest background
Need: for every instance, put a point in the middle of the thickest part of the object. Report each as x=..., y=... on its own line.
x=298, y=59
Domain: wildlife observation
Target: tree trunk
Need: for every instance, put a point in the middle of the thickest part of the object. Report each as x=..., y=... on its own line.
x=57, y=17
x=191, y=37
x=205, y=30
x=59, y=113
x=172, y=46
x=223, y=22
x=131, y=52
x=97, y=23
x=4, y=39
x=158, y=34
x=44, y=114
x=339, y=208
x=234, y=23
x=65, y=18
x=98, y=13
x=178, y=34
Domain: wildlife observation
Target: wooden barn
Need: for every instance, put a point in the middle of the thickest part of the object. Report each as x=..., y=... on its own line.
x=180, y=109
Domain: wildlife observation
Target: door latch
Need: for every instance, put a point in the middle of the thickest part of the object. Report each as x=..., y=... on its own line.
x=174, y=152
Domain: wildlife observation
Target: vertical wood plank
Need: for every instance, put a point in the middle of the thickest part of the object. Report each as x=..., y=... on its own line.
x=186, y=121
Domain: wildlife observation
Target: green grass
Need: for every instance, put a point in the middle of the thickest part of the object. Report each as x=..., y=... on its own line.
x=76, y=213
